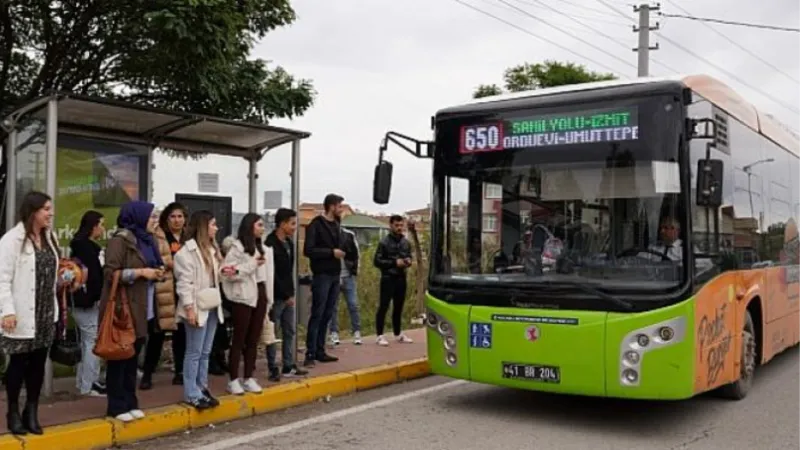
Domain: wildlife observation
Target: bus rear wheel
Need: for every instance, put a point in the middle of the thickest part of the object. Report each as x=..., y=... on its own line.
x=739, y=389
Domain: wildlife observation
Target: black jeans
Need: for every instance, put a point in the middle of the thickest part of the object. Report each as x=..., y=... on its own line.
x=121, y=383
x=27, y=368
x=393, y=290
x=324, y=294
x=155, y=346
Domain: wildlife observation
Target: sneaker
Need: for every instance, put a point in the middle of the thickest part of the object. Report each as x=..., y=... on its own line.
x=213, y=402
x=199, y=403
x=125, y=417
x=274, y=375
x=382, y=341
x=98, y=387
x=310, y=363
x=357, y=338
x=250, y=385
x=335, y=339
x=235, y=387
x=294, y=371
x=93, y=393
x=136, y=413
x=326, y=358
x=403, y=339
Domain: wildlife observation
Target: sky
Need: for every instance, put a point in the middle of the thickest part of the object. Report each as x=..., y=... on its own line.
x=381, y=65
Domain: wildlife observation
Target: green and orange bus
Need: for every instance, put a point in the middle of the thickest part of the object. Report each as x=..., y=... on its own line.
x=633, y=239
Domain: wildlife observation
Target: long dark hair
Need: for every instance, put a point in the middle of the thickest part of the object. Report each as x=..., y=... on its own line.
x=163, y=219
x=31, y=204
x=89, y=221
x=197, y=229
x=246, y=236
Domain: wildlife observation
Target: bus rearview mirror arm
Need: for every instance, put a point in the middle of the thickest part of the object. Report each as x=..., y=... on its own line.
x=382, y=181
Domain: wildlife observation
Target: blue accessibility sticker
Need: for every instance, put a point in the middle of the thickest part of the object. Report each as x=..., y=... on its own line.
x=480, y=335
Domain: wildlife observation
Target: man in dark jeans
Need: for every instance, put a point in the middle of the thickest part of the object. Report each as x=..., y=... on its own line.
x=393, y=258
x=282, y=313
x=323, y=248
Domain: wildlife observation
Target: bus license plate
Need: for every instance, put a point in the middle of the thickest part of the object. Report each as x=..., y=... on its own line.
x=547, y=374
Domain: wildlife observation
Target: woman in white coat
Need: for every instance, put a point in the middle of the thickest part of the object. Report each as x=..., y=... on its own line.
x=197, y=276
x=28, y=306
x=249, y=291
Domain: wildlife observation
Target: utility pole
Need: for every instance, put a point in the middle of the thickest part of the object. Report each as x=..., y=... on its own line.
x=644, y=30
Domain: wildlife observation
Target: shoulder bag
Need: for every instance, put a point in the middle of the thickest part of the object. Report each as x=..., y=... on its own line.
x=115, y=333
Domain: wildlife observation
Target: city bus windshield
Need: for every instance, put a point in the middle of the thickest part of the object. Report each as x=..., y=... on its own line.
x=572, y=195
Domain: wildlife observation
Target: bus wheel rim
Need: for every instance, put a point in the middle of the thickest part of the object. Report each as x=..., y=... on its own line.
x=748, y=356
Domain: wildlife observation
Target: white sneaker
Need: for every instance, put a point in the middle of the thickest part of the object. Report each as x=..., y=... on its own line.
x=235, y=387
x=382, y=341
x=335, y=339
x=403, y=339
x=137, y=413
x=125, y=417
x=357, y=338
x=250, y=385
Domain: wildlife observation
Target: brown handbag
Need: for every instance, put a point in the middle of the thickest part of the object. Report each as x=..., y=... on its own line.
x=116, y=335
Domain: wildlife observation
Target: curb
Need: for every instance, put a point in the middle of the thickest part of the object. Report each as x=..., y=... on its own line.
x=104, y=433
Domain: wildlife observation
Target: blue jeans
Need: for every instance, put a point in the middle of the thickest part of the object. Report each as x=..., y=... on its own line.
x=89, y=367
x=282, y=316
x=199, y=341
x=324, y=294
x=351, y=297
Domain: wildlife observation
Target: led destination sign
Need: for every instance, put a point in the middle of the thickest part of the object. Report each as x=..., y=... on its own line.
x=580, y=127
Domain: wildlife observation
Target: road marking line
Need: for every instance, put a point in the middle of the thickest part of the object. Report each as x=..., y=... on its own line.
x=248, y=438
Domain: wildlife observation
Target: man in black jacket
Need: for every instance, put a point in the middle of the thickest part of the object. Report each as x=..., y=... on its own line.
x=349, y=289
x=283, y=309
x=393, y=258
x=324, y=249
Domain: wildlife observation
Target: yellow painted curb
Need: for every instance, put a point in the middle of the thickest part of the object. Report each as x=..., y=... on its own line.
x=334, y=385
x=104, y=433
x=158, y=422
x=231, y=407
x=85, y=435
x=9, y=442
x=413, y=369
x=375, y=376
x=280, y=397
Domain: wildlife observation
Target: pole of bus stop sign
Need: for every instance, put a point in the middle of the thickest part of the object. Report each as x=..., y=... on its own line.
x=50, y=167
x=295, y=179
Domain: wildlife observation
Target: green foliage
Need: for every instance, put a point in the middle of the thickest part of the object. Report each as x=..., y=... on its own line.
x=525, y=77
x=187, y=55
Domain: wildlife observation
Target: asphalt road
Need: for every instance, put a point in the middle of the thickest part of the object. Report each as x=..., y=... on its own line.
x=439, y=414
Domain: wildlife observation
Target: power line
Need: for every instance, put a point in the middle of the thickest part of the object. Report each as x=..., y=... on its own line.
x=732, y=76
x=574, y=19
x=600, y=49
x=743, y=48
x=731, y=22
x=528, y=32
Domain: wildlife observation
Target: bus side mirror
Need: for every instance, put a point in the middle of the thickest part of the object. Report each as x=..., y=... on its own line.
x=709, y=183
x=382, y=183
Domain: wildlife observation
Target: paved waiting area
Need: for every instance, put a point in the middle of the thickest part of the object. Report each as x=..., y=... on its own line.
x=64, y=407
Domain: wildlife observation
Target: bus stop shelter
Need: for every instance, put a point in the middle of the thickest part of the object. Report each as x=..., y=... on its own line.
x=36, y=134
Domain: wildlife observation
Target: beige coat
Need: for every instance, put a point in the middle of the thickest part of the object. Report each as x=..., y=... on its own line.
x=165, y=290
x=192, y=276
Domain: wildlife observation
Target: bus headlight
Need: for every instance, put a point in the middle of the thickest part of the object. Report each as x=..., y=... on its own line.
x=432, y=318
x=666, y=333
x=450, y=343
x=637, y=343
x=451, y=359
x=444, y=327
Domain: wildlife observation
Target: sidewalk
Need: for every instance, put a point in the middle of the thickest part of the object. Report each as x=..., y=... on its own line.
x=65, y=407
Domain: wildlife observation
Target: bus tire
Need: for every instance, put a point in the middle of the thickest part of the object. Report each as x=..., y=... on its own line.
x=739, y=389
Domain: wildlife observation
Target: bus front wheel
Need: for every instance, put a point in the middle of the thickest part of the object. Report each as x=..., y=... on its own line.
x=739, y=389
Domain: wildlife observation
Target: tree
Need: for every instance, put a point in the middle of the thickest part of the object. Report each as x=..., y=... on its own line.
x=188, y=55
x=525, y=77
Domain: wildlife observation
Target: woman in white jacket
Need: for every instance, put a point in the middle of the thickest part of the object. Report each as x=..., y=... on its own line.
x=197, y=275
x=28, y=306
x=249, y=293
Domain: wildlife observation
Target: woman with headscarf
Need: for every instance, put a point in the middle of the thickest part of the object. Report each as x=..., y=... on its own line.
x=134, y=251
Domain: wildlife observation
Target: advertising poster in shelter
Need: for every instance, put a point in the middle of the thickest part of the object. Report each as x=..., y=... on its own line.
x=88, y=178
